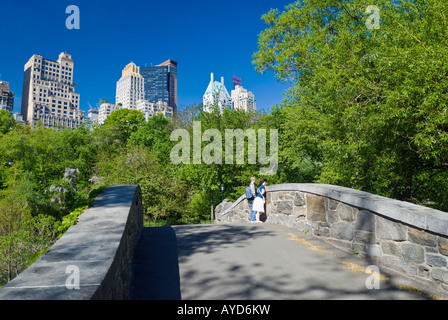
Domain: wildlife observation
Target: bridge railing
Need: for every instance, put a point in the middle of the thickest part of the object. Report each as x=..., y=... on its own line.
x=93, y=259
x=409, y=238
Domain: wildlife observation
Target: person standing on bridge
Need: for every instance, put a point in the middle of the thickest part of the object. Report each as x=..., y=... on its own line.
x=250, y=195
x=259, y=201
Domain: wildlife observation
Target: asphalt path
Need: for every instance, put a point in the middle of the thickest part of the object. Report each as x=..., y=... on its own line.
x=254, y=262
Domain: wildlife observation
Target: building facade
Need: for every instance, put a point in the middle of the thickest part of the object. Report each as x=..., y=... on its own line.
x=163, y=108
x=146, y=107
x=15, y=115
x=216, y=94
x=92, y=118
x=6, y=96
x=243, y=99
x=105, y=110
x=130, y=87
x=49, y=93
x=161, y=83
x=150, y=109
x=131, y=91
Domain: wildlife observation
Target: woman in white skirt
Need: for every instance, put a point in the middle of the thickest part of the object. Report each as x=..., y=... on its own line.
x=259, y=201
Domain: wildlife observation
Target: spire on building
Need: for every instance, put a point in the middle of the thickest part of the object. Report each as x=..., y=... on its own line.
x=216, y=94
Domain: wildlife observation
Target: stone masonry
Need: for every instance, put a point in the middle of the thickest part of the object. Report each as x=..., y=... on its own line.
x=93, y=259
x=407, y=238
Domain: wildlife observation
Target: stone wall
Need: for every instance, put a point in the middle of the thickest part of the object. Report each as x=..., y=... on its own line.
x=93, y=259
x=408, y=238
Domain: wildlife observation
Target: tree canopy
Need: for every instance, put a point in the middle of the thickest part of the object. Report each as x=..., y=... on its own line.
x=368, y=106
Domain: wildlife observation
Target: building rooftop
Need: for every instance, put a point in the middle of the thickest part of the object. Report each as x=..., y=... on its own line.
x=216, y=86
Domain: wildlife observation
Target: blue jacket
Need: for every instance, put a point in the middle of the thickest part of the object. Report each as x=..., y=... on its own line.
x=259, y=195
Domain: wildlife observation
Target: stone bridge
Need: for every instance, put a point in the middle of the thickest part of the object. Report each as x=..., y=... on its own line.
x=317, y=242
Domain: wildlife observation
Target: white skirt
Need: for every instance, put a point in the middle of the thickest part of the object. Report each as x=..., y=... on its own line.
x=258, y=205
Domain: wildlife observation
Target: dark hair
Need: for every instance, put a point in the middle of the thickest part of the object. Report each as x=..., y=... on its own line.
x=262, y=181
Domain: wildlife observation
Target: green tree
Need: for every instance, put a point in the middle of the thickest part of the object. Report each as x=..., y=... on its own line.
x=21, y=234
x=155, y=136
x=223, y=167
x=368, y=105
x=7, y=122
x=164, y=196
x=125, y=122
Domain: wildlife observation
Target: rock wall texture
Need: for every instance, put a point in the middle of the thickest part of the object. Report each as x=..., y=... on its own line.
x=408, y=238
x=93, y=259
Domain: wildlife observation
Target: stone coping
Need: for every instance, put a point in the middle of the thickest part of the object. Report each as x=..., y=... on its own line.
x=97, y=246
x=421, y=217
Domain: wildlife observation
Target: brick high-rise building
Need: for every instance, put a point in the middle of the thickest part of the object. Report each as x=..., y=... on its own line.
x=49, y=93
x=6, y=96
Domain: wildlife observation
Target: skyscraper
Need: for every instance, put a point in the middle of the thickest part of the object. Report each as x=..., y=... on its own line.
x=130, y=87
x=49, y=93
x=161, y=83
x=6, y=96
x=216, y=94
x=130, y=94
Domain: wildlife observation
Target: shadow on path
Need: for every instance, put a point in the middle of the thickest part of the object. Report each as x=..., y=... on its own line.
x=155, y=268
x=248, y=262
x=268, y=262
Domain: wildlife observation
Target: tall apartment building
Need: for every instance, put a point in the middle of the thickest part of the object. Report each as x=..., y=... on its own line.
x=49, y=93
x=6, y=96
x=161, y=83
x=131, y=94
x=216, y=93
x=7, y=101
x=130, y=87
x=243, y=99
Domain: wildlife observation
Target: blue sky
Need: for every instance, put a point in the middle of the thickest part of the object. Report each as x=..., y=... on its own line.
x=216, y=36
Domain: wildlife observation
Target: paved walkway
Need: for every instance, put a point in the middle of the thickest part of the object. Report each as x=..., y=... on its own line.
x=249, y=262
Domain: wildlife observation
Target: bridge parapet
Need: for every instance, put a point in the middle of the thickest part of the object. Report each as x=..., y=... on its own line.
x=93, y=259
x=406, y=237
